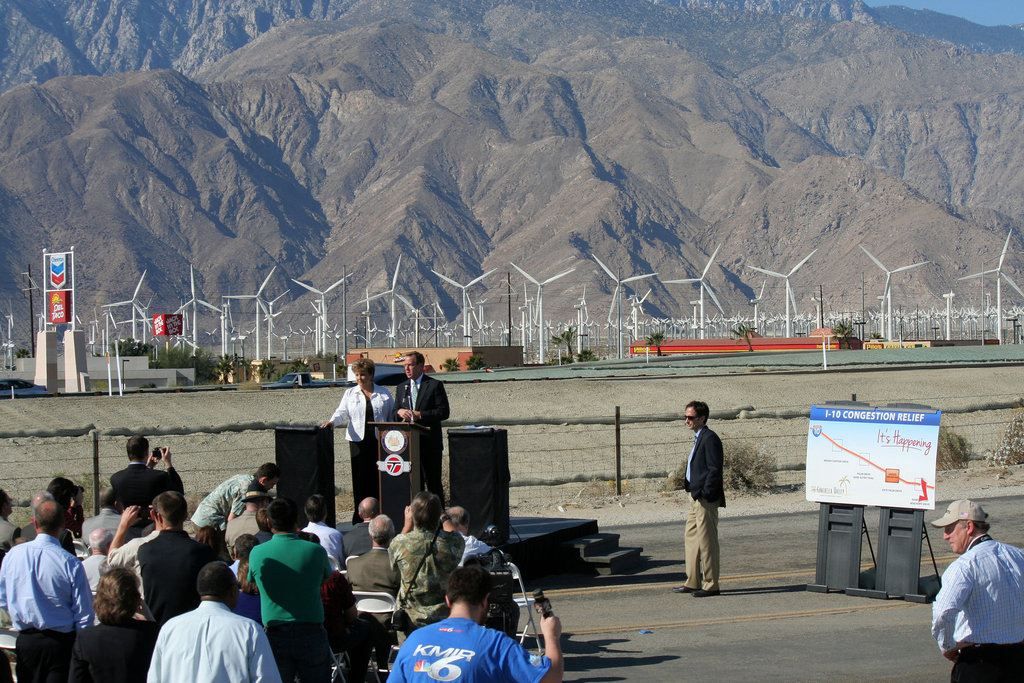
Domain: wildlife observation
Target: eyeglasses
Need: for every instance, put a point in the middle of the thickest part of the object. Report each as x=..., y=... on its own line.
x=691, y=418
x=950, y=528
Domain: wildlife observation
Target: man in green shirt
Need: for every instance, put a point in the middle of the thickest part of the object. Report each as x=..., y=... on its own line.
x=289, y=571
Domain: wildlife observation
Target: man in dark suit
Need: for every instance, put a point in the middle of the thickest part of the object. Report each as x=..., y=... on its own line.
x=356, y=540
x=422, y=399
x=704, y=483
x=373, y=572
x=139, y=483
x=170, y=563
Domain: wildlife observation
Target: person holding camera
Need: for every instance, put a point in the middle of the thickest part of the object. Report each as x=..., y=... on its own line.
x=140, y=482
x=461, y=648
x=425, y=553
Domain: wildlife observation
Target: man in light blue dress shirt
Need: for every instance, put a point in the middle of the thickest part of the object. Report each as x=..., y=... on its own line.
x=46, y=592
x=978, y=616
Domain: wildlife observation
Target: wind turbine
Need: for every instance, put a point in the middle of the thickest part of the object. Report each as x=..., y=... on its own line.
x=260, y=305
x=466, y=334
x=136, y=307
x=394, y=285
x=540, y=306
x=998, y=271
x=887, y=291
x=755, y=301
x=194, y=302
x=617, y=301
x=321, y=340
x=789, y=289
x=703, y=286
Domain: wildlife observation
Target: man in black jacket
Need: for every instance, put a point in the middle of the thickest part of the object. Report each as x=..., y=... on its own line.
x=422, y=399
x=704, y=483
x=139, y=483
x=170, y=563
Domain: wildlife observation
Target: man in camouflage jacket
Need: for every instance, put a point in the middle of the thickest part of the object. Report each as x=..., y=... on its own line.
x=422, y=594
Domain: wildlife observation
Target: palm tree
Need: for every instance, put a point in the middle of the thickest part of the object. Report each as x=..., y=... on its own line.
x=450, y=365
x=565, y=338
x=225, y=366
x=744, y=331
x=656, y=339
x=843, y=331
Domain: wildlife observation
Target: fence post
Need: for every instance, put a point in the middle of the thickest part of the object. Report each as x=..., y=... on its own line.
x=95, y=472
x=618, y=454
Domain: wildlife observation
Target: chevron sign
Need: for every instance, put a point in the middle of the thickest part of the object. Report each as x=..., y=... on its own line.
x=58, y=271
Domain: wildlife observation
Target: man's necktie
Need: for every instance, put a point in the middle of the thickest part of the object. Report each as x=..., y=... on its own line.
x=414, y=391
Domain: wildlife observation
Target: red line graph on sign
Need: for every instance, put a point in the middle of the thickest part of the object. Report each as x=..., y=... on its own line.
x=924, y=485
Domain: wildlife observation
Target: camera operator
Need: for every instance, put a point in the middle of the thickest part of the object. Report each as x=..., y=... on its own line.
x=425, y=553
x=460, y=648
x=139, y=483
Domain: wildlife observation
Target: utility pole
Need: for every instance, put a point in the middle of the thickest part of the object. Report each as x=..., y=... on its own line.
x=30, y=288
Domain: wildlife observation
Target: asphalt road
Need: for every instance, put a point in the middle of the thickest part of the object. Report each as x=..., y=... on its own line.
x=765, y=626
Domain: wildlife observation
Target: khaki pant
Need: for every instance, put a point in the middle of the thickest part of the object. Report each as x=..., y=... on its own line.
x=702, y=551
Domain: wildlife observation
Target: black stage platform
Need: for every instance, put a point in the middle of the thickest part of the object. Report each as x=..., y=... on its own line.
x=535, y=542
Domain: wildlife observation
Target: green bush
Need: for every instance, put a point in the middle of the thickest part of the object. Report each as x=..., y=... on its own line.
x=1011, y=449
x=953, y=451
x=475, y=362
x=586, y=355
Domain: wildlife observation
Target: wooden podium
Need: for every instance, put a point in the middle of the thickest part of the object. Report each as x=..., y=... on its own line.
x=398, y=466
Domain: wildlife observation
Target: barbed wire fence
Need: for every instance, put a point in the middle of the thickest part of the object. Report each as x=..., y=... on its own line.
x=553, y=461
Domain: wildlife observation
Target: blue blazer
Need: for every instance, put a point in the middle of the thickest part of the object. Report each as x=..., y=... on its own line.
x=706, y=468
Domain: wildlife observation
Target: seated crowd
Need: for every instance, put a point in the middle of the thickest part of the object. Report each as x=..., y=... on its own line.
x=248, y=596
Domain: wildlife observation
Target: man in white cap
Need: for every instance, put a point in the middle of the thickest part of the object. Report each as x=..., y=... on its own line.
x=978, y=616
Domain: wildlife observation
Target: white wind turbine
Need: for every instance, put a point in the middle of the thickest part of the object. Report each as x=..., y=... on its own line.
x=540, y=306
x=704, y=286
x=467, y=335
x=1000, y=275
x=321, y=310
x=194, y=302
x=260, y=306
x=789, y=289
x=755, y=301
x=136, y=308
x=617, y=301
x=887, y=291
x=394, y=320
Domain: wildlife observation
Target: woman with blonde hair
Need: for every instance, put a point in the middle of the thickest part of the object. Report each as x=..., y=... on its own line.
x=363, y=403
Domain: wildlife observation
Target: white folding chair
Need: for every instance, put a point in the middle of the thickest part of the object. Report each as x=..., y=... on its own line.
x=8, y=640
x=525, y=601
x=371, y=602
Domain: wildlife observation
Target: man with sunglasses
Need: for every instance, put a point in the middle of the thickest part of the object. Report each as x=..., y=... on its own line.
x=978, y=616
x=704, y=483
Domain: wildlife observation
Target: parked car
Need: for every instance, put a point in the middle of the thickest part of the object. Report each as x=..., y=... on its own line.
x=384, y=374
x=300, y=380
x=20, y=387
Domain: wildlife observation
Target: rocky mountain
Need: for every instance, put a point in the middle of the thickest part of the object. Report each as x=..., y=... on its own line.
x=327, y=138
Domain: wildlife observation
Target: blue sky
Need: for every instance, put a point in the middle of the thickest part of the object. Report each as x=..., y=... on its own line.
x=986, y=12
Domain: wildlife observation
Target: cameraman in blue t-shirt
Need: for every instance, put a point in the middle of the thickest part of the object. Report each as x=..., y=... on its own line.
x=461, y=649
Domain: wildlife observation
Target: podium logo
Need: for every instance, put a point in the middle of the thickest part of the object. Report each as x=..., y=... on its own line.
x=394, y=465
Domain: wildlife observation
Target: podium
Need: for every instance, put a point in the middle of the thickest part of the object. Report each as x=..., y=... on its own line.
x=398, y=466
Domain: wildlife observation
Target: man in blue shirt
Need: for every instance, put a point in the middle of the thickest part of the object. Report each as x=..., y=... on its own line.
x=46, y=592
x=461, y=649
x=978, y=616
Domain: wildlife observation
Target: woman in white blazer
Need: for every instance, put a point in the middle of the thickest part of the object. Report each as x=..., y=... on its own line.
x=365, y=402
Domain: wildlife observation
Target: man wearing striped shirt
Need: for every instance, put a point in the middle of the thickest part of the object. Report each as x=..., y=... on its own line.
x=978, y=616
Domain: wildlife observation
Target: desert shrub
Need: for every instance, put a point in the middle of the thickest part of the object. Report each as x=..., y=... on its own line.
x=586, y=355
x=748, y=469
x=475, y=362
x=953, y=451
x=1011, y=449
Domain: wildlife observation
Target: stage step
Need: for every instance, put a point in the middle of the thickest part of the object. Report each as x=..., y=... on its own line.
x=599, y=553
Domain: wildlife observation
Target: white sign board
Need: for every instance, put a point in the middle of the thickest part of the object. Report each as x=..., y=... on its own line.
x=872, y=456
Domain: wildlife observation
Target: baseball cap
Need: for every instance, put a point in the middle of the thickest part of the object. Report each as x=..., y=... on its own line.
x=961, y=509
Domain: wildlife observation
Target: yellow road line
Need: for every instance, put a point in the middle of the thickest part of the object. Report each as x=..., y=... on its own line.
x=743, y=618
